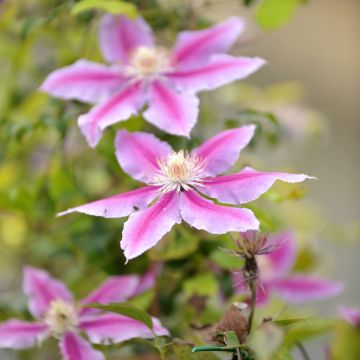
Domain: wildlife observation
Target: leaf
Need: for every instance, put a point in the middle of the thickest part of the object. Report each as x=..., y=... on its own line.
x=271, y=14
x=227, y=261
x=231, y=340
x=111, y=6
x=203, y=285
x=125, y=309
x=287, y=322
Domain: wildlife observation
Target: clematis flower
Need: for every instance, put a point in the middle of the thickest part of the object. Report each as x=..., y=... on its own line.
x=179, y=185
x=57, y=315
x=275, y=259
x=143, y=74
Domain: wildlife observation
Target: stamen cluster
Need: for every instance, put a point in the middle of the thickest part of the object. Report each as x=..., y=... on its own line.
x=179, y=171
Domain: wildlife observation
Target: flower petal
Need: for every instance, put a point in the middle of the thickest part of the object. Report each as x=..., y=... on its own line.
x=222, y=150
x=194, y=47
x=118, y=205
x=220, y=70
x=171, y=112
x=73, y=347
x=119, y=36
x=351, y=315
x=116, y=328
x=145, y=228
x=300, y=288
x=247, y=185
x=119, y=107
x=114, y=289
x=205, y=215
x=42, y=289
x=84, y=80
x=18, y=334
x=148, y=280
x=138, y=153
x=283, y=257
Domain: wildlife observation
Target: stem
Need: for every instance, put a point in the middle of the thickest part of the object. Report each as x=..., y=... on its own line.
x=303, y=351
x=252, y=286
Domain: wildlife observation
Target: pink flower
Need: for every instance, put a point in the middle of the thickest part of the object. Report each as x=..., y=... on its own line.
x=351, y=315
x=176, y=185
x=51, y=303
x=141, y=73
x=275, y=265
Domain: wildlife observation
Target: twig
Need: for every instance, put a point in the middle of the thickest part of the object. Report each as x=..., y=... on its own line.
x=253, y=287
x=303, y=351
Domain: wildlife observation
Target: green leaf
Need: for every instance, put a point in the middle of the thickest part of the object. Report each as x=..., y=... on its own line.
x=287, y=322
x=272, y=14
x=227, y=261
x=231, y=340
x=111, y=6
x=203, y=285
x=125, y=309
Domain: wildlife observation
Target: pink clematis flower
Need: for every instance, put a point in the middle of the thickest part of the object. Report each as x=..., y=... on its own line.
x=275, y=262
x=51, y=303
x=176, y=185
x=141, y=73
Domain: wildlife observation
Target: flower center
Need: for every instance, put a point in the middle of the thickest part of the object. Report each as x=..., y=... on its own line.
x=148, y=62
x=179, y=171
x=61, y=317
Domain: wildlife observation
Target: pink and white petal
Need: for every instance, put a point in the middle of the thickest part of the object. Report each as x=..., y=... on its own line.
x=146, y=227
x=222, y=150
x=171, y=112
x=220, y=70
x=195, y=47
x=74, y=347
x=119, y=36
x=84, y=80
x=118, y=205
x=283, y=257
x=42, y=289
x=18, y=334
x=119, y=107
x=262, y=294
x=138, y=153
x=299, y=288
x=148, y=280
x=247, y=185
x=205, y=215
x=114, y=289
x=106, y=328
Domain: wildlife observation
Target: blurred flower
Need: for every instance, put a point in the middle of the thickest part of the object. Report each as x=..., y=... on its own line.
x=142, y=73
x=275, y=258
x=51, y=303
x=350, y=315
x=177, y=182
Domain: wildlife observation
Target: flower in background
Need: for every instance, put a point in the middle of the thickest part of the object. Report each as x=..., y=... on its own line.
x=351, y=315
x=275, y=257
x=176, y=185
x=51, y=303
x=142, y=73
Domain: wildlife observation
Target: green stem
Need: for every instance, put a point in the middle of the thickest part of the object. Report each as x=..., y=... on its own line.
x=252, y=304
x=303, y=351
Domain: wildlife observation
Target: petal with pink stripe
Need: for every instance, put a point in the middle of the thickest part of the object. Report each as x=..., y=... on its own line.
x=42, y=289
x=300, y=288
x=246, y=185
x=195, y=47
x=119, y=36
x=84, y=81
x=119, y=107
x=138, y=153
x=145, y=228
x=118, y=205
x=114, y=289
x=73, y=347
x=171, y=112
x=222, y=150
x=116, y=328
x=220, y=70
x=205, y=215
x=18, y=334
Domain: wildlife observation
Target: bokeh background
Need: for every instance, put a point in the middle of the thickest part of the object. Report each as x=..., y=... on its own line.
x=311, y=83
